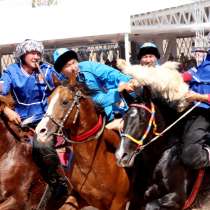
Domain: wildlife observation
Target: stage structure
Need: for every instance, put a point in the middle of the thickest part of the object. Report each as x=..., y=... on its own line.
x=176, y=31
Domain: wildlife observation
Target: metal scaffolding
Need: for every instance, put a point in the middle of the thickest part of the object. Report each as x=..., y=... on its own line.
x=176, y=31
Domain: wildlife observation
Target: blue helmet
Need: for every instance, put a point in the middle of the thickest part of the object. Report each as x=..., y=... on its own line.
x=61, y=56
x=148, y=48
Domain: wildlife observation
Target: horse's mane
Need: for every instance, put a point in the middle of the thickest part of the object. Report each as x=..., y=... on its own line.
x=86, y=91
x=160, y=100
x=6, y=101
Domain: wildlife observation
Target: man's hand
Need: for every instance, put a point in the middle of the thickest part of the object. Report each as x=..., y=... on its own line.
x=12, y=115
x=129, y=86
x=135, y=83
x=193, y=96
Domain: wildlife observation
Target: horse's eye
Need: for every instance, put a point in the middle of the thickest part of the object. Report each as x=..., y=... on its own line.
x=65, y=102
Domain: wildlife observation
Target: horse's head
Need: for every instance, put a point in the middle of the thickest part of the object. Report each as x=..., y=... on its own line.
x=63, y=104
x=63, y=110
x=68, y=113
x=139, y=126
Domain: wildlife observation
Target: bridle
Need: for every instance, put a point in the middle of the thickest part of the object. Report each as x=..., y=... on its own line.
x=90, y=135
x=151, y=124
x=140, y=142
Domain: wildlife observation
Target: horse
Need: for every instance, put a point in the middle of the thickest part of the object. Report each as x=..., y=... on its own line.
x=163, y=181
x=21, y=184
x=95, y=176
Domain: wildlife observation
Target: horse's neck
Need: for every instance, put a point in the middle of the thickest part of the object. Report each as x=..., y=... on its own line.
x=86, y=119
x=164, y=117
x=7, y=138
x=86, y=152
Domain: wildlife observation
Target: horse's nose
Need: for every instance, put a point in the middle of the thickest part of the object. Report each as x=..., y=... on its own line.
x=43, y=131
x=119, y=155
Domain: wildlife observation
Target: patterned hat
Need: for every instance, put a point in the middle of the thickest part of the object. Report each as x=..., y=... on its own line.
x=28, y=45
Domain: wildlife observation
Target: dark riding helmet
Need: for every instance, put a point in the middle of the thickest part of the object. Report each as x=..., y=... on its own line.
x=148, y=48
x=61, y=56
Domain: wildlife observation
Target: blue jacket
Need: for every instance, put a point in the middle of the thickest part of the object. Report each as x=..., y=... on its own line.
x=29, y=91
x=200, y=82
x=104, y=80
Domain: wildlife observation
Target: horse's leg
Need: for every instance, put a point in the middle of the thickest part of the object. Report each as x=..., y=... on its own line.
x=11, y=203
x=152, y=192
x=119, y=203
x=74, y=202
x=70, y=204
x=170, y=201
x=170, y=177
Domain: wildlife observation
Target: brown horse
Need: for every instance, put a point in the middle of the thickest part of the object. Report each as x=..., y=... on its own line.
x=95, y=176
x=21, y=185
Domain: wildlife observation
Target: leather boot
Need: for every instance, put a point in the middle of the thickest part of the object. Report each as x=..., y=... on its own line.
x=52, y=172
x=59, y=183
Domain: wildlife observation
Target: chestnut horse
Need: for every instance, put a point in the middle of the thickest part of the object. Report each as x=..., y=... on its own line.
x=95, y=175
x=163, y=181
x=21, y=184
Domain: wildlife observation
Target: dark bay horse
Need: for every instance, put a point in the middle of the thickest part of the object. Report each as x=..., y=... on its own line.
x=21, y=184
x=163, y=181
x=95, y=175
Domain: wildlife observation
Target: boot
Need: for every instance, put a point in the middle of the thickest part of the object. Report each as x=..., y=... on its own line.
x=47, y=160
x=58, y=183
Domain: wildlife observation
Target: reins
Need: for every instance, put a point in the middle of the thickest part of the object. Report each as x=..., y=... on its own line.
x=151, y=124
x=93, y=134
x=140, y=142
x=170, y=126
x=90, y=135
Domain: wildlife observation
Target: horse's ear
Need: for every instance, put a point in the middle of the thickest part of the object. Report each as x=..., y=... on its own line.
x=73, y=78
x=128, y=98
x=56, y=81
x=143, y=93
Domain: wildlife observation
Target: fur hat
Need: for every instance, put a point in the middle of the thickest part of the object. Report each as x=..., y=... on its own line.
x=148, y=48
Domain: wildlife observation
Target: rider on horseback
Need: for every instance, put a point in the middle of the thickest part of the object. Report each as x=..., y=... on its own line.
x=106, y=82
x=148, y=54
x=196, y=150
x=30, y=82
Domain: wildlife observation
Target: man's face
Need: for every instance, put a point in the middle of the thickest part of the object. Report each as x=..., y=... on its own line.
x=69, y=67
x=32, y=58
x=148, y=60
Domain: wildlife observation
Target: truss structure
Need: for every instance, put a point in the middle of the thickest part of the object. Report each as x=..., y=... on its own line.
x=177, y=20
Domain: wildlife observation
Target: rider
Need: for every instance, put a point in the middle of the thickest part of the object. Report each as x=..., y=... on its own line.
x=29, y=80
x=148, y=54
x=107, y=82
x=196, y=150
